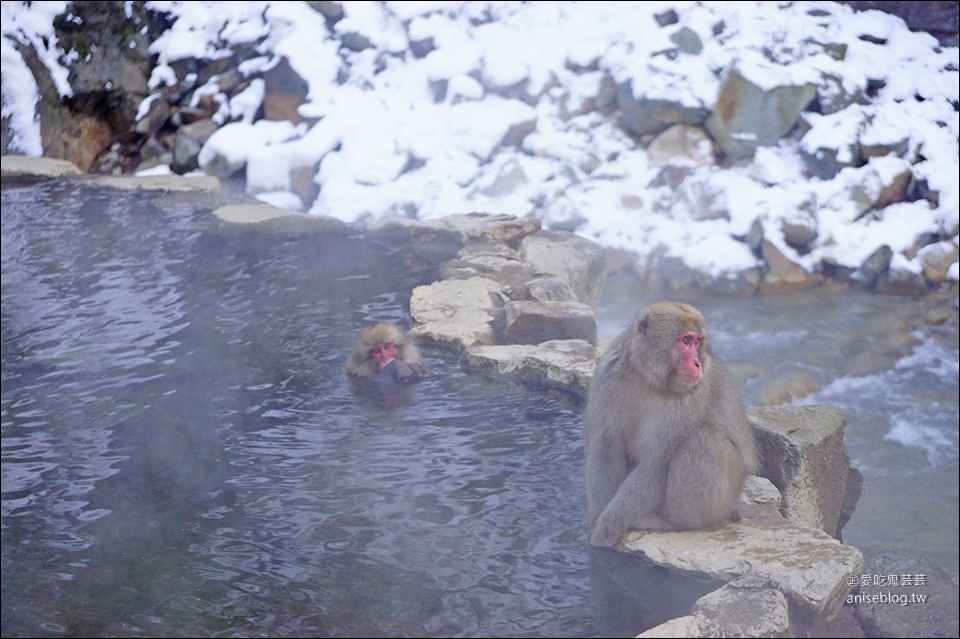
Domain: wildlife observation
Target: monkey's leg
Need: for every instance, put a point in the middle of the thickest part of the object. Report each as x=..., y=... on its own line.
x=704, y=481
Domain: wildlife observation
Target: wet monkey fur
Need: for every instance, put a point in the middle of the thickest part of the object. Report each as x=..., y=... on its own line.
x=384, y=351
x=668, y=444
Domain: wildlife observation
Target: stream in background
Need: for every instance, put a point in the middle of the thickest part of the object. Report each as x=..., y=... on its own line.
x=182, y=455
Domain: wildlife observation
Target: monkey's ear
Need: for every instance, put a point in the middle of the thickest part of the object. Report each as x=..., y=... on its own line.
x=642, y=324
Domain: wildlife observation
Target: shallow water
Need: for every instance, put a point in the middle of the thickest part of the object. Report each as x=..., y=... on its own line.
x=182, y=455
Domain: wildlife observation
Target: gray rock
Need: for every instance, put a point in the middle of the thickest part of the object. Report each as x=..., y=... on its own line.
x=157, y=115
x=875, y=265
x=885, y=609
x=701, y=198
x=509, y=178
x=755, y=237
x=827, y=163
x=486, y=256
x=185, y=152
x=527, y=322
x=284, y=92
x=808, y=566
x=644, y=116
x=802, y=452
x=936, y=261
x=743, y=609
x=898, y=281
x=279, y=219
x=684, y=144
x=782, y=274
x=455, y=313
x=738, y=609
x=548, y=288
x=566, y=363
x=200, y=184
x=832, y=94
x=200, y=130
x=687, y=41
x=441, y=239
x=747, y=116
x=29, y=166
x=576, y=260
x=940, y=18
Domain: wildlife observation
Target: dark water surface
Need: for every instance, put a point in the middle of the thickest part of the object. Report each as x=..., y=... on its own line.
x=182, y=455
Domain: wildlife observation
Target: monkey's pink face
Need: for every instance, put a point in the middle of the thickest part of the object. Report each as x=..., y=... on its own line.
x=690, y=369
x=384, y=354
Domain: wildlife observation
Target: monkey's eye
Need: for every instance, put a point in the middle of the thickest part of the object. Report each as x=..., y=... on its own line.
x=385, y=348
x=691, y=340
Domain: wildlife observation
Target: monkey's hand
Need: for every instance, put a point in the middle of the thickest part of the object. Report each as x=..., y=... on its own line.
x=605, y=533
x=399, y=371
x=402, y=370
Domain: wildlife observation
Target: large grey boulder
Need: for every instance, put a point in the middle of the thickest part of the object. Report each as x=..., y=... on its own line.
x=902, y=594
x=454, y=313
x=802, y=452
x=806, y=565
x=575, y=260
x=527, y=322
x=747, y=115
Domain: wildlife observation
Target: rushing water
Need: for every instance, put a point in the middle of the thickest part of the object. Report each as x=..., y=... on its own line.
x=182, y=455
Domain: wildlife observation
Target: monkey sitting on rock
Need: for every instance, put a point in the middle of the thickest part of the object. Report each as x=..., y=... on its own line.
x=668, y=444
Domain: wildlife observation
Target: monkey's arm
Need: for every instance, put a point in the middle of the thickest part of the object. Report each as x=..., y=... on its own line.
x=634, y=506
x=618, y=498
x=729, y=414
x=399, y=370
x=412, y=372
x=606, y=467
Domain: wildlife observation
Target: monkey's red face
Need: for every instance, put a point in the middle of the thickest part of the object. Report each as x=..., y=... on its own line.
x=384, y=354
x=690, y=369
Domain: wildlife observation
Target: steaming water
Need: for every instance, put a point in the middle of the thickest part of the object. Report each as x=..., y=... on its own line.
x=182, y=455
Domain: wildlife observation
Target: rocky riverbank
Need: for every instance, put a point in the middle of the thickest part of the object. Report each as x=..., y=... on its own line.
x=519, y=301
x=120, y=110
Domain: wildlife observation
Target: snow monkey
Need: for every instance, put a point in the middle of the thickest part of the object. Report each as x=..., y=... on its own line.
x=668, y=444
x=384, y=353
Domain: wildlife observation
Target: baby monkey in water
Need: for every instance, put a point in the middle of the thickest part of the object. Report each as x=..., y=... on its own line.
x=383, y=352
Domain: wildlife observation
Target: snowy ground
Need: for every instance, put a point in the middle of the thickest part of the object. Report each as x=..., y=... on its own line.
x=577, y=170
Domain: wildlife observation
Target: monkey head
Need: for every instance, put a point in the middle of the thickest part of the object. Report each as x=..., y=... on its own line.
x=670, y=349
x=377, y=346
x=383, y=354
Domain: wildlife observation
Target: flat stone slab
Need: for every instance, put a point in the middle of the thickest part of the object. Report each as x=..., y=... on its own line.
x=568, y=363
x=198, y=184
x=806, y=564
x=29, y=166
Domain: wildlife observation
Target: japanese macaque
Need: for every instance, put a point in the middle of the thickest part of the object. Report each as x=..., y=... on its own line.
x=668, y=444
x=384, y=353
